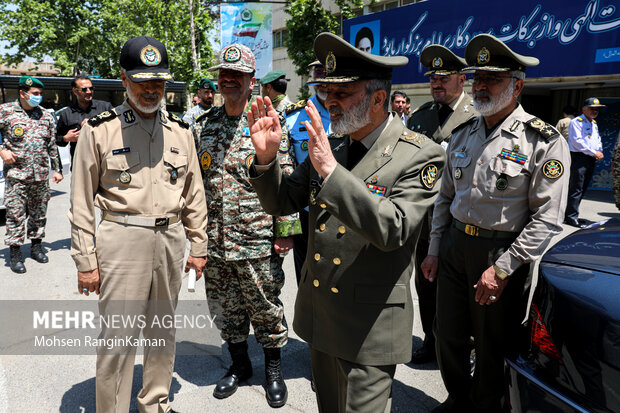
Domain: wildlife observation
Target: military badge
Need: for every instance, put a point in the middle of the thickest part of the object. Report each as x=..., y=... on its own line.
x=125, y=177
x=483, y=56
x=174, y=150
x=429, y=176
x=174, y=174
x=205, y=161
x=458, y=173
x=232, y=54
x=150, y=56
x=513, y=155
x=246, y=131
x=163, y=118
x=304, y=146
x=514, y=126
x=437, y=62
x=313, y=196
x=18, y=131
x=595, y=101
x=374, y=179
x=284, y=144
x=501, y=183
x=330, y=62
x=129, y=116
x=119, y=151
x=28, y=82
x=553, y=169
x=246, y=15
x=387, y=151
x=249, y=160
x=376, y=189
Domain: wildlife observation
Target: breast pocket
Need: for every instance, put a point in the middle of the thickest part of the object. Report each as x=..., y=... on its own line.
x=460, y=170
x=506, y=177
x=123, y=172
x=174, y=170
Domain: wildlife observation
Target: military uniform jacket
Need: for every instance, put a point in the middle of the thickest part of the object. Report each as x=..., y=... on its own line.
x=30, y=135
x=163, y=170
x=238, y=226
x=425, y=119
x=354, y=299
x=516, y=180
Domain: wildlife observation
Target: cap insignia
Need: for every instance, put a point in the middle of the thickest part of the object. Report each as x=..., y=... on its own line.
x=150, y=56
x=596, y=101
x=437, y=62
x=330, y=62
x=28, y=82
x=232, y=54
x=484, y=56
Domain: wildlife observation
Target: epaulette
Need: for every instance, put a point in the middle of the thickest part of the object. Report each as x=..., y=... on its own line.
x=178, y=120
x=414, y=137
x=102, y=117
x=295, y=106
x=546, y=131
x=580, y=119
x=462, y=125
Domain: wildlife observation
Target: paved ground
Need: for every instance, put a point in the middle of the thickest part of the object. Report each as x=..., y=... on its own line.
x=66, y=383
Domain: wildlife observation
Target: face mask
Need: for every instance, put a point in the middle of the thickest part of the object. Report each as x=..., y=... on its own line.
x=34, y=101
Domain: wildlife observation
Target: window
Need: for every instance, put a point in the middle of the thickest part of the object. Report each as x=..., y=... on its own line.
x=279, y=38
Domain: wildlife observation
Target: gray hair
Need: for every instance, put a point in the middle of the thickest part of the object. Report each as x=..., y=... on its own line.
x=374, y=85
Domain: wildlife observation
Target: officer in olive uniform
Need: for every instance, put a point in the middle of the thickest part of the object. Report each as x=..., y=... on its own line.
x=26, y=146
x=501, y=200
x=138, y=165
x=368, y=187
x=436, y=119
x=273, y=85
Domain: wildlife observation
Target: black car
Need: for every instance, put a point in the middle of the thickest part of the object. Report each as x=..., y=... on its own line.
x=571, y=362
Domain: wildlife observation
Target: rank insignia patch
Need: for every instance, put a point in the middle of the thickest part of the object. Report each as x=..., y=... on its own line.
x=513, y=155
x=18, y=132
x=249, y=160
x=129, y=116
x=205, y=161
x=376, y=189
x=553, y=169
x=429, y=176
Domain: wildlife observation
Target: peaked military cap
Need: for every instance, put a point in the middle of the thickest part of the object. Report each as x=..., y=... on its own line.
x=344, y=63
x=145, y=58
x=207, y=84
x=487, y=52
x=236, y=57
x=272, y=76
x=440, y=60
x=30, y=81
x=593, y=103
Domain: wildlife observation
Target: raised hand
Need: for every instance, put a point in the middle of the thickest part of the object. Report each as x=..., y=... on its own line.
x=265, y=130
x=319, y=151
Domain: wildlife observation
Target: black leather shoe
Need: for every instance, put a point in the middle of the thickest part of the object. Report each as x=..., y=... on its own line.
x=15, y=259
x=424, y=354
x=36, y=252
x=275, y=388
x=240, y=370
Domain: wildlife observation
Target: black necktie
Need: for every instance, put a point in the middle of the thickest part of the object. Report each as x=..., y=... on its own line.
x=357, y=150
x=444, y=112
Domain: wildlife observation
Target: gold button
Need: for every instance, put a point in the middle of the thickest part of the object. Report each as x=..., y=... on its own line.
x=323, y=206
x=315, y=283
x=317, y=256
x=335, y=290
x=322, y=227
x=342, y=229
x=337, y=261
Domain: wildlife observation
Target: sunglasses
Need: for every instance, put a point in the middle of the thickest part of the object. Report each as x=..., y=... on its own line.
x=84, y=89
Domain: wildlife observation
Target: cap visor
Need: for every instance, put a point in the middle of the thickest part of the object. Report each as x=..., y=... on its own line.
x=333, y=80
x=236, y=68
x=144, y=76
x=441, y=72
x=471, y=69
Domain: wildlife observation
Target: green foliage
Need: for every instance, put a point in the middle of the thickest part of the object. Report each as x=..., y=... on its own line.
x=86, y=37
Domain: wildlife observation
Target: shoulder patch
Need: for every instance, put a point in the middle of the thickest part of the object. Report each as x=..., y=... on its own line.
x=546, y=131
x=178, y=120
x=295, y=106
x=429, y=175
x=101, y=118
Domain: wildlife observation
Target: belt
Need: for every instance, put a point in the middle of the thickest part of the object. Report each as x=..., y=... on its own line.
x=139, y=220
x=475, y=231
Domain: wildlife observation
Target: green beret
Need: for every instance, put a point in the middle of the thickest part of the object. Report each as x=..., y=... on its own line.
x=271, y=76
x=206, y=83
x=30, y=81
x=487, y=52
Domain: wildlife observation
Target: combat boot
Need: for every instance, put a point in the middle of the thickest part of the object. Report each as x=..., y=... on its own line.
x=275, y=388
x=17, y=262
x=36, y=251
x=240, y=370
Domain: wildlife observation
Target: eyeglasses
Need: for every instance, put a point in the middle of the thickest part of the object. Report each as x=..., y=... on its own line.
x=489, y=80
x=84, y=89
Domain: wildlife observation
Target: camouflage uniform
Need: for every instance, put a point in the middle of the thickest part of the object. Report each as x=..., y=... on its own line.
x=30, y=135
x=243, y=276
x=615, y=162
x=192, y=114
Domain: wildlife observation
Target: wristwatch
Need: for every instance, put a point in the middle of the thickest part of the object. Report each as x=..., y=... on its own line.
x=501, y=274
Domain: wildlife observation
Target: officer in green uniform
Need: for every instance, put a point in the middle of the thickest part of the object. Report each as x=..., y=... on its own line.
x=436, y=119
x=273, y=85
x=368, y=186
x=502, y=198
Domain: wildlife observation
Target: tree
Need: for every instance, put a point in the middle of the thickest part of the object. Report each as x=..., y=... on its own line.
x=308, y=19
x=88, y=36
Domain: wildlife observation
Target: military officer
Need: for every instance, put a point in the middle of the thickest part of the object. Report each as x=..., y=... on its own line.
x=273, y=85
x=368, y=186
x=244, y=276
x=436, y=119
x=206, y=94
x=501, y=200
x=28, y=143
x=296, y=118
x=138, y=165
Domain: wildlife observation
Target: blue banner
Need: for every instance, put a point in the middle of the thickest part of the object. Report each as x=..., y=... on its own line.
x=571, y=38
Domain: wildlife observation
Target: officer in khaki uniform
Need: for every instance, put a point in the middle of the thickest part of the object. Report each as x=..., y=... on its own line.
x=368, y=186
x=138, y=165
x=436, y=119
x=501, y=200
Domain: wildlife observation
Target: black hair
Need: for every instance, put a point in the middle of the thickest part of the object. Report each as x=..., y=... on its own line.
x=279, y=85
x=78, y=77
x=398, y=93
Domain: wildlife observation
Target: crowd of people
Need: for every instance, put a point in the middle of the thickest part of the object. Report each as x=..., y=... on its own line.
x=464, y=194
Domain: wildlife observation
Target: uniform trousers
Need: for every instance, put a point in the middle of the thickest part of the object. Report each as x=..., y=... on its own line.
x=346, y=387
x=496, y=328
x=244, y=291
x=140, y=268
x=581, y=170
x=25, y=199
x=427, y=293
x=300, y=244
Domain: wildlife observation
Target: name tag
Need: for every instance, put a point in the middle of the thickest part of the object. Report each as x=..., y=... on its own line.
x=121, y=150
x=460, y=154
